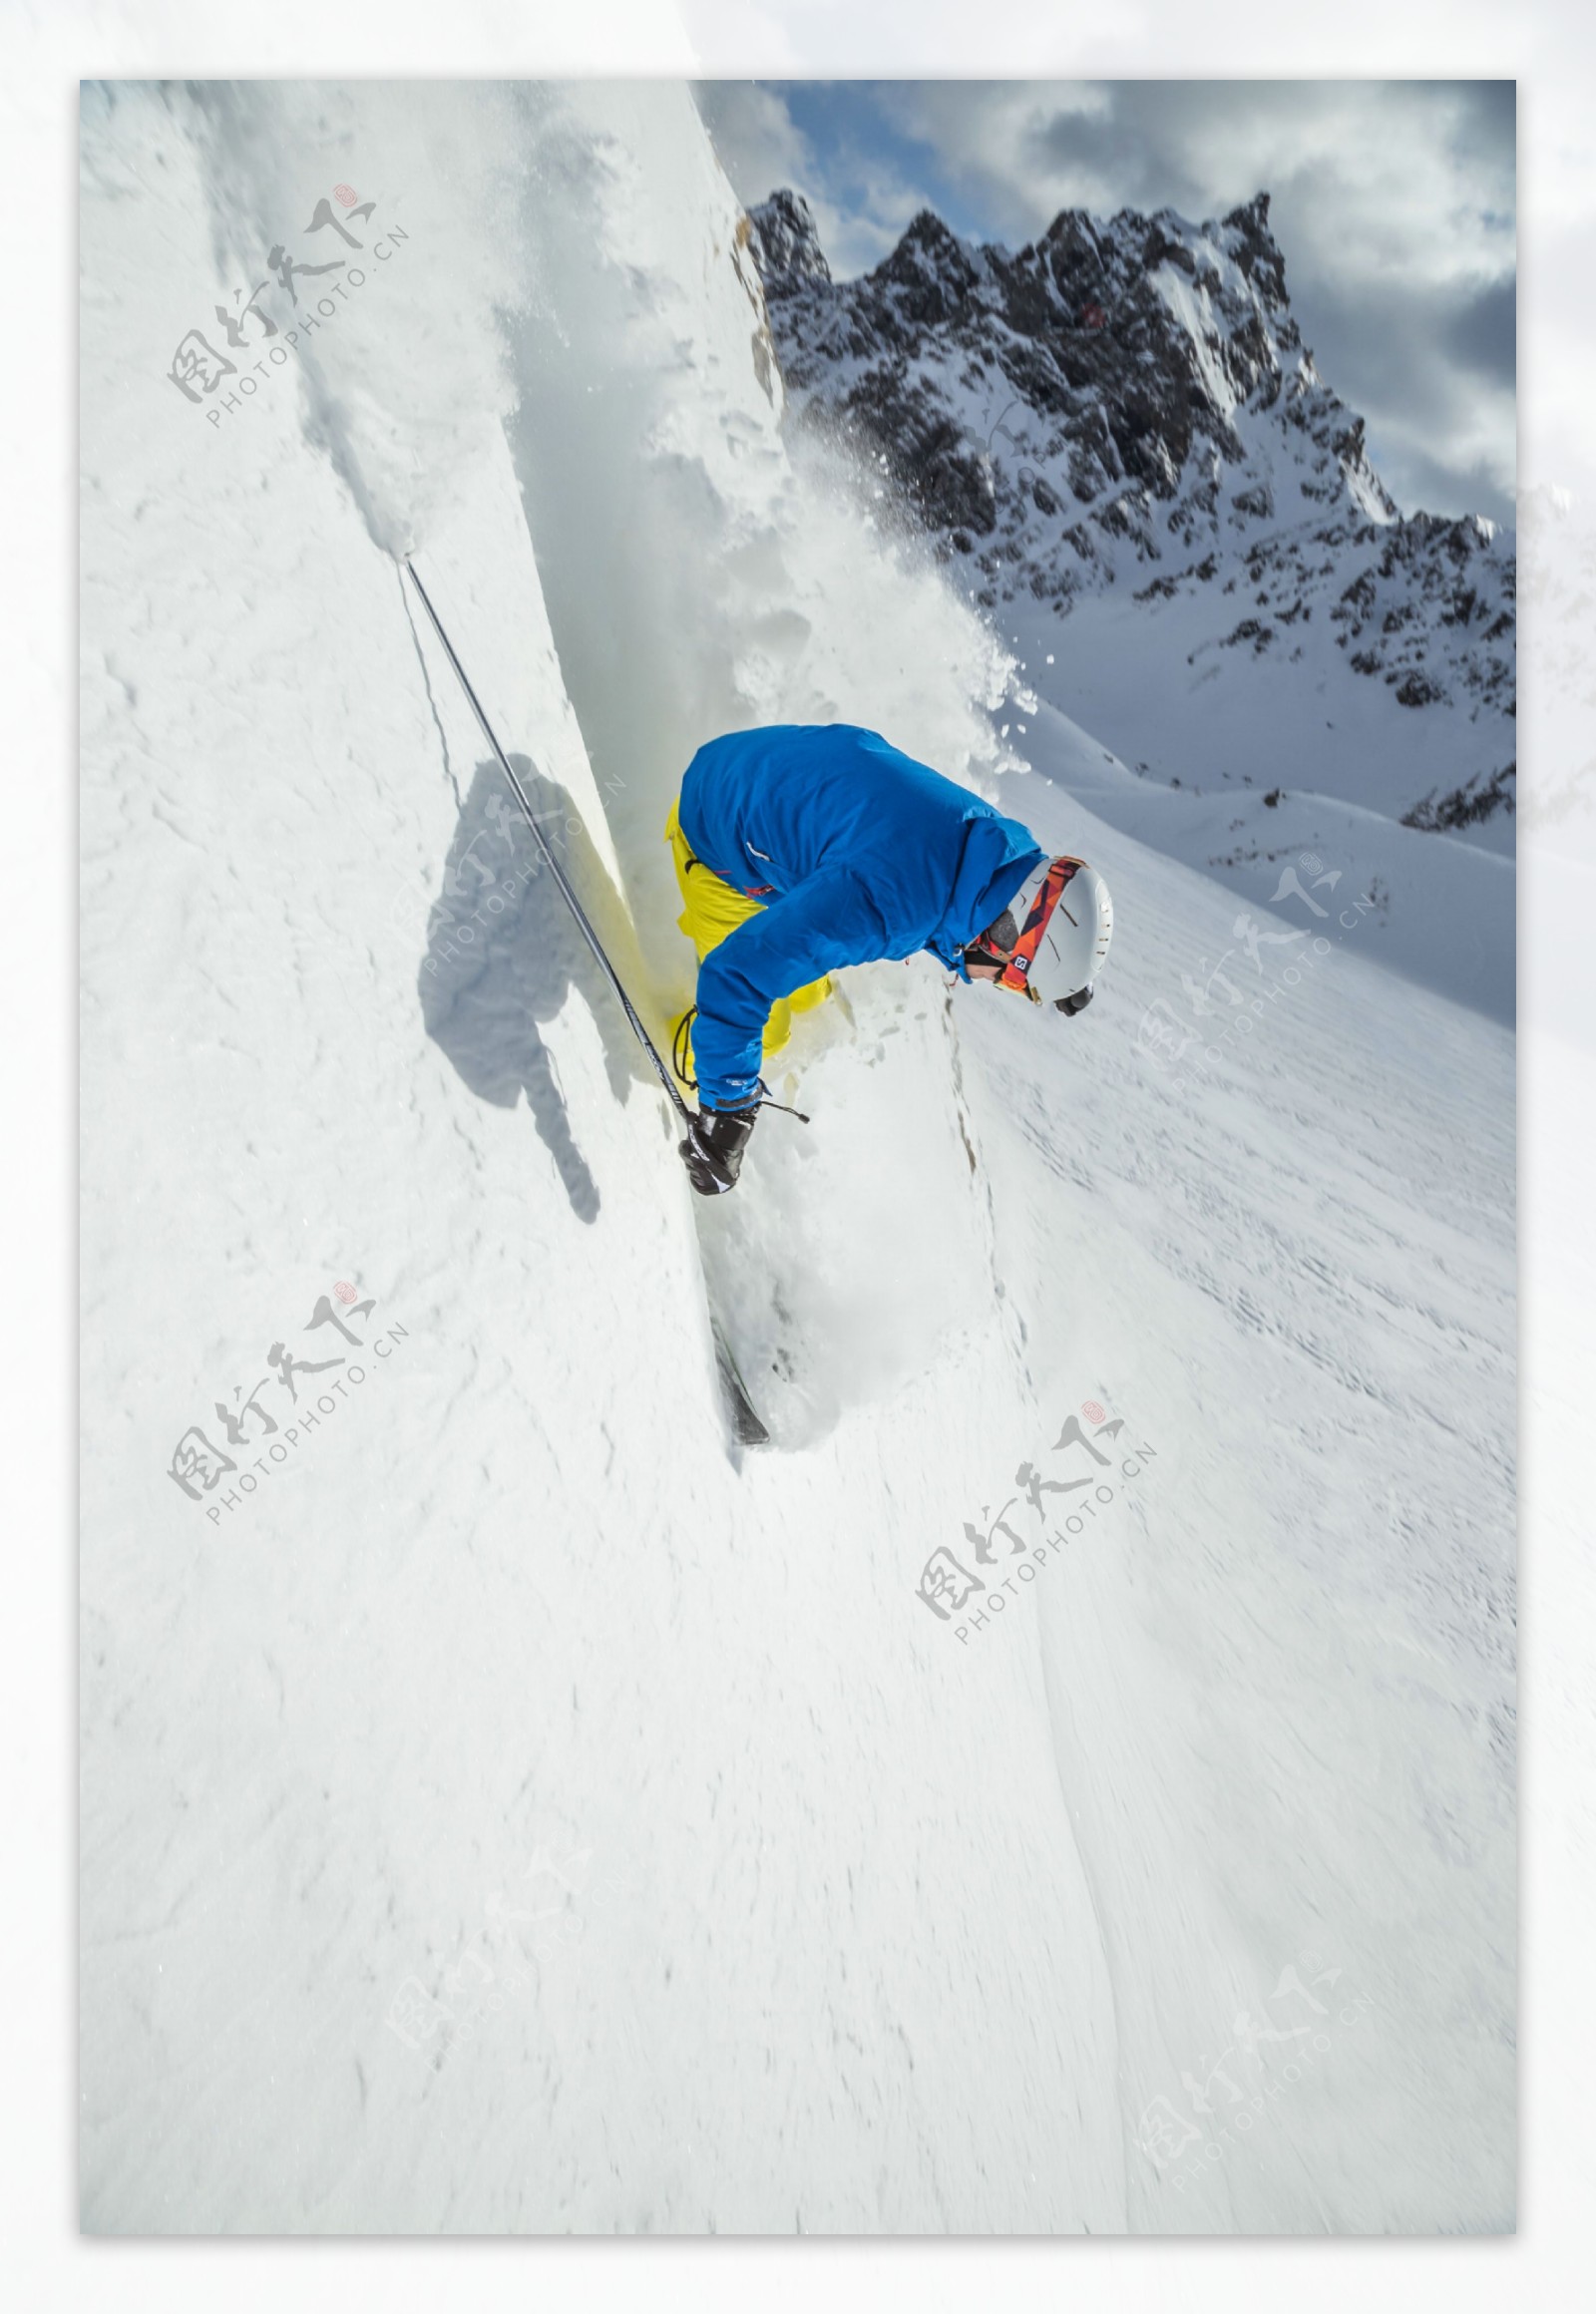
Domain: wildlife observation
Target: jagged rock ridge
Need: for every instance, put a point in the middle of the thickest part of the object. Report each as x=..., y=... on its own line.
x=1129, y=403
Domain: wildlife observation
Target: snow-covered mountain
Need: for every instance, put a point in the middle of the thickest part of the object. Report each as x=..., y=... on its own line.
x=506, y=1807
x=1123, y=414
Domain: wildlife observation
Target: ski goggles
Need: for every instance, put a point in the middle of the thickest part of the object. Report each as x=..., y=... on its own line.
x=1016, y=961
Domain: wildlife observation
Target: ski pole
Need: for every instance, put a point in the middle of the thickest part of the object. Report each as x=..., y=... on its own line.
x=559, y=874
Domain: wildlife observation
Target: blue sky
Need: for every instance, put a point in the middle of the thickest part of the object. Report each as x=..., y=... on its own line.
x=1393, y=204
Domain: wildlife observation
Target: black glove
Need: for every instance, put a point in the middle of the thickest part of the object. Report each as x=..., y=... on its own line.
x=712, y=1151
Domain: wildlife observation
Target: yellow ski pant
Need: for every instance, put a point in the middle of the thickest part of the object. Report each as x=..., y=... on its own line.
x=710, y=910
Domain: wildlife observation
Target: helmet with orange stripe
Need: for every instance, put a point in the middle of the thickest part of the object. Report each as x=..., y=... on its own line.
x=1050, y=941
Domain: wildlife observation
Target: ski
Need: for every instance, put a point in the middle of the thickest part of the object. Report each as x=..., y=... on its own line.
x=746, y=1426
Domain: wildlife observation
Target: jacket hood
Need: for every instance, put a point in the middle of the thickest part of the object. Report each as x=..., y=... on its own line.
x=998, y=855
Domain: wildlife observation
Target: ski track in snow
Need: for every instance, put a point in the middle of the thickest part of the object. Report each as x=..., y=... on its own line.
x=760, y=1902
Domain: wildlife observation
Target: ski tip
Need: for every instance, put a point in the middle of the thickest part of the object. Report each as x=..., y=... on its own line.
x=749, y=1430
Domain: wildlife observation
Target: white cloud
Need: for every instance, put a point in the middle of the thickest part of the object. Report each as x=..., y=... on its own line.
x=761, y=147
x=756, y=140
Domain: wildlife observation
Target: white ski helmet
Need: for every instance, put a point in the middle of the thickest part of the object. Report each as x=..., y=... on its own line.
x=1065, y=921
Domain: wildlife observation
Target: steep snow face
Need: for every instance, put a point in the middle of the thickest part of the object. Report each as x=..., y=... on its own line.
x=508, y=1812
x=399, y=381
x=507, y=1809
x=1126, y=409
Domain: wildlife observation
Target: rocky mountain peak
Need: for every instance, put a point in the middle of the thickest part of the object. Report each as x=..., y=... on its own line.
x=786, y=245
x=930, y=275
x=1126, y=406
x=1134, y=351
x=1255, y=249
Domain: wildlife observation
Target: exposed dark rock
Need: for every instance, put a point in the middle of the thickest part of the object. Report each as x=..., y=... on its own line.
x=1479, y=798
x=1129, y=391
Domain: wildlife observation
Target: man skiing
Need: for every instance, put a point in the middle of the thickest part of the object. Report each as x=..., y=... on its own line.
x=800, y=848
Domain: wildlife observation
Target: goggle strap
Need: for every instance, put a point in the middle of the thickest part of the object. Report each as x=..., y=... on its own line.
x=1059, y=874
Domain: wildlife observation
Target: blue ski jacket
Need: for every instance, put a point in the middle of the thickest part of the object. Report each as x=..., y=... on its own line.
x=857, y=851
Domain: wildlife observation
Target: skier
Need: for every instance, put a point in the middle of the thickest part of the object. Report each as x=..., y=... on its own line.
x=803, y=847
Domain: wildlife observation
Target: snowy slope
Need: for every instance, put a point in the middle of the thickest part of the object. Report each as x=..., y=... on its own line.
x=1429, y=907
x=518, y=1811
